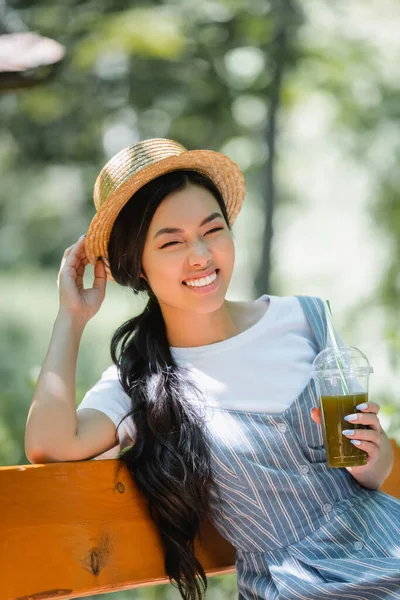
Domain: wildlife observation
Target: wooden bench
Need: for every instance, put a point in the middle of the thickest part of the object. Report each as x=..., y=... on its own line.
x=70, y=530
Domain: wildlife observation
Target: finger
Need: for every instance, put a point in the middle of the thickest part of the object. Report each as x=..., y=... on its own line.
x=365, y=419
x=65, y=256
x=364, y=435
x=75, y=247
x=76, y=252
x=75, y=244
x=100, y=276
x=80, y=271
x=316, y=415
x=371, y=449
x=371, y=407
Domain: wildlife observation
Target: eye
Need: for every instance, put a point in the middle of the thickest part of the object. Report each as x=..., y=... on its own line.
x=173, y=243
x=169, y=244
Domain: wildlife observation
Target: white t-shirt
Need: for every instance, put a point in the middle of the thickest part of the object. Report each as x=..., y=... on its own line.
x=262, y=369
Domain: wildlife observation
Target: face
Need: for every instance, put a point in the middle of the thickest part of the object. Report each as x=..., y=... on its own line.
x=189, y=252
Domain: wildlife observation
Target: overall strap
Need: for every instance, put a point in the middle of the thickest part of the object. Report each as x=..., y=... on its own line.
x=314, y=310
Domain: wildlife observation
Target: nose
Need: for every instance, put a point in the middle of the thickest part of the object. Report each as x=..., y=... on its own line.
x=199, y=254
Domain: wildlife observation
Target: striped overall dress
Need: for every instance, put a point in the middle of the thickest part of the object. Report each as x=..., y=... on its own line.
x=301, y=531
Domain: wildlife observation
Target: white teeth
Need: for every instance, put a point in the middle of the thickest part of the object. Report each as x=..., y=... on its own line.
x=203, y=281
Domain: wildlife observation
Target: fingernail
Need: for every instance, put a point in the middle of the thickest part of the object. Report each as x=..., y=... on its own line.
x=355, y=442
x=362, y=406
x=351, y=418
x=82, y=236
x=348, y=431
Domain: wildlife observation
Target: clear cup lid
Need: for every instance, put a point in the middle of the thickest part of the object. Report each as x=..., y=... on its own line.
x=342, y=359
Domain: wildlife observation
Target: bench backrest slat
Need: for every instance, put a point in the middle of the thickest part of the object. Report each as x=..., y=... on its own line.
x=69, y=530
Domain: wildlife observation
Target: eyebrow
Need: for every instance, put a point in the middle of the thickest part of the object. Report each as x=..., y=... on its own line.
x=211, y=217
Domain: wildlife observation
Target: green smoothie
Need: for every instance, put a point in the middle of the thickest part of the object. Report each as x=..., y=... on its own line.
x=340, y=451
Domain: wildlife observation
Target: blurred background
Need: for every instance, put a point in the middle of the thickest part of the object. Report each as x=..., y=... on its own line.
x=303, y=94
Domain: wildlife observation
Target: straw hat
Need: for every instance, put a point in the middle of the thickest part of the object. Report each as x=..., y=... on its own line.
x=135, y=166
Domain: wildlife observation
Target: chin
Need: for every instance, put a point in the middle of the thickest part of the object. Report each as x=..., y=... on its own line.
x=204, y=304
x=208, y=307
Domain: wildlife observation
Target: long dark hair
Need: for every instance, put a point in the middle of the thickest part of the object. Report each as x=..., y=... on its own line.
x=170, y=459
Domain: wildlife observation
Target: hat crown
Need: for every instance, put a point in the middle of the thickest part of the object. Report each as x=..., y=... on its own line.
x=129, y=161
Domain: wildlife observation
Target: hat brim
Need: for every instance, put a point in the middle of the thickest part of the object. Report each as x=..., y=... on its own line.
x=224, y=172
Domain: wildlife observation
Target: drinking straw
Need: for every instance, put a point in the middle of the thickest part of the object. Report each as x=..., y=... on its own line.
x=335, y=344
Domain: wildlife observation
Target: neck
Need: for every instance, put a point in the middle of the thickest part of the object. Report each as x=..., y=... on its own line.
x=188, y=329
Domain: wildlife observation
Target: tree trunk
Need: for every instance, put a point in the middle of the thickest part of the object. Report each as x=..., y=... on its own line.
x=262, y=279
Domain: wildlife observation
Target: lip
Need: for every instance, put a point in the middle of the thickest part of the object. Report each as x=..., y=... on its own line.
x=206, y=274
x=207, y=289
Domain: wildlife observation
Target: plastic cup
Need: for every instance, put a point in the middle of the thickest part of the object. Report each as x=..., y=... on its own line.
x=341, y=375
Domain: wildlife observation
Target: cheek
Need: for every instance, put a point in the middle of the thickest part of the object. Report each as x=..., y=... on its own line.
x=162, y=269
x=225, y=252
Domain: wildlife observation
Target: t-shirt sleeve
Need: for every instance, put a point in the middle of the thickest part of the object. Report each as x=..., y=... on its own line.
x=108, y=396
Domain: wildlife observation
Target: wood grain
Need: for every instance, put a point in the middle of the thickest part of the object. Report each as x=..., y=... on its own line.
x=69, y=530
x=74, y=529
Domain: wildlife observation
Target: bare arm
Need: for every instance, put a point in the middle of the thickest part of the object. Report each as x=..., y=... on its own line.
x=53, y=431
x=52, y=419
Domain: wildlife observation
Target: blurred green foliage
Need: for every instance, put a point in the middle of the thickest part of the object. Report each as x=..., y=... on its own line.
x=198, y=72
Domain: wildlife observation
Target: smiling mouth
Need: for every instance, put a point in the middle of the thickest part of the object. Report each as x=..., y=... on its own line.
x=200, y=278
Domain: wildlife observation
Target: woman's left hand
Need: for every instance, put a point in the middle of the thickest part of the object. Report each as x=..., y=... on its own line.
x=369, y=439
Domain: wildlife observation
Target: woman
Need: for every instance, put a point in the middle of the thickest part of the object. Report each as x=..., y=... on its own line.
x=209, y=401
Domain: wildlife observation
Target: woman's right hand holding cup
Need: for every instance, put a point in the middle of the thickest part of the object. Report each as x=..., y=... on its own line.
x=75, y=300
